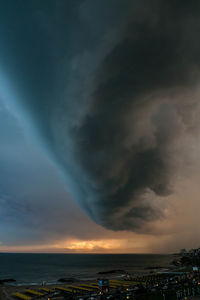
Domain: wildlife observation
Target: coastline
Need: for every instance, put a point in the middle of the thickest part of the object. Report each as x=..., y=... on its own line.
x=149, y=270
x=7, y=290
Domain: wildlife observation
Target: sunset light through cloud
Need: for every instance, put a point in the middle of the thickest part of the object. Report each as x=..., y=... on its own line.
x=99, y=126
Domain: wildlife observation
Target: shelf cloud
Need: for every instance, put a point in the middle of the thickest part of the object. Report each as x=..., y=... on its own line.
x=113, y=96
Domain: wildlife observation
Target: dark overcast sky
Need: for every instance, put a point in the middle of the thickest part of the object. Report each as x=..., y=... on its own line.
x=99, y=127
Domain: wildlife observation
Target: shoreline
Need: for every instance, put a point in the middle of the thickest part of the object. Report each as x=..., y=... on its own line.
x=150, y=270
x=7, y=290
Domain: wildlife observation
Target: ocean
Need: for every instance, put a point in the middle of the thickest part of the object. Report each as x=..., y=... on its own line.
x=36, y=268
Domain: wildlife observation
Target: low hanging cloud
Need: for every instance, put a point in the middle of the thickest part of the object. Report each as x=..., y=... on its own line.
x=114, y=102
x=144, y=88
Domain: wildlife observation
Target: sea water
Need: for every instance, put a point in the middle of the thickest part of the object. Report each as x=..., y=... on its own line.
x=36, y=268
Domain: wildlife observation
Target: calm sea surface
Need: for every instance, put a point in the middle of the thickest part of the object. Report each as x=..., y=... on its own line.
x=35, y=268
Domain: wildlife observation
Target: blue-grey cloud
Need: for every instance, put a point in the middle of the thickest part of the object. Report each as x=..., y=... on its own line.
x=103, y=83
x=35, y=207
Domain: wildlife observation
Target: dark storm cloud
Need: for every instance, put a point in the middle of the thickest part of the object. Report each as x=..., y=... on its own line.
x=109, y=87
x=155, y=56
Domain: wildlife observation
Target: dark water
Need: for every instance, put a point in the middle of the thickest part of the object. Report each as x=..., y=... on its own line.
x=35, y=268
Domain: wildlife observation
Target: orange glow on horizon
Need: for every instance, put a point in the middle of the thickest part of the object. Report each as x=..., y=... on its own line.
x=91, y=245
x=121, y=245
